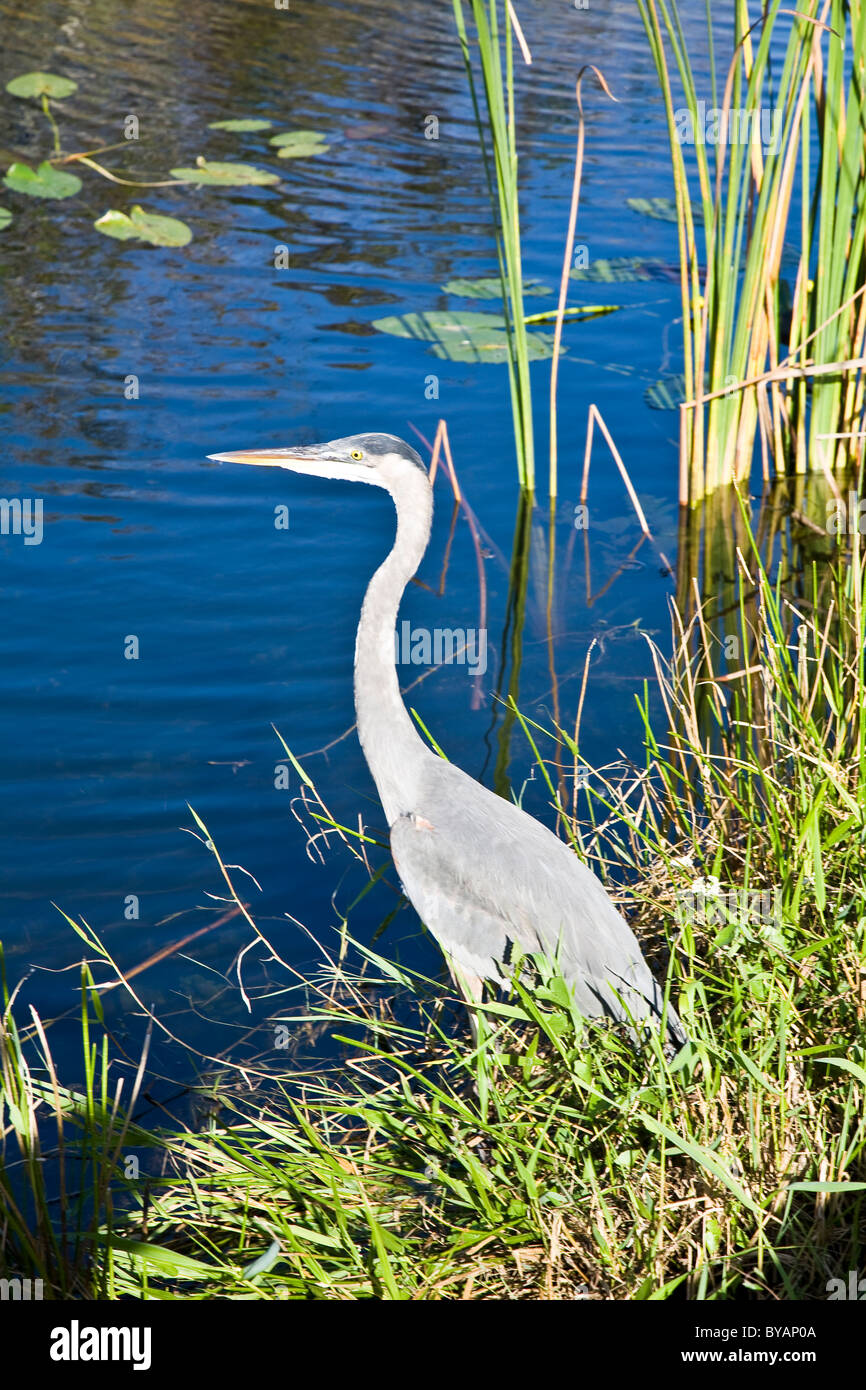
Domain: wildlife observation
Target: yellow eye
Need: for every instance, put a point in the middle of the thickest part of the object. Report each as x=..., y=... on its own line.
x=357, y=454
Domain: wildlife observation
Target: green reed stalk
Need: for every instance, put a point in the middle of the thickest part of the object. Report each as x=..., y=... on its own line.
x=498, y=78
x=739, y=385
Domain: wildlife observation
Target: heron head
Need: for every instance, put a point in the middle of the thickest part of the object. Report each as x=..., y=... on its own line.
x=359, y=458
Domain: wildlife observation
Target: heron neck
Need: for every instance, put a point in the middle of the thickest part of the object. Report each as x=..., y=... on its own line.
x=394, y=750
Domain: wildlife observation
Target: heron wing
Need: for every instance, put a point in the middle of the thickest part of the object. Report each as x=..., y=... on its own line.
x=484, y=876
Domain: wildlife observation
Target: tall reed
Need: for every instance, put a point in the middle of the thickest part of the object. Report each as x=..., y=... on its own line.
x=803, y=190
x=496, y=52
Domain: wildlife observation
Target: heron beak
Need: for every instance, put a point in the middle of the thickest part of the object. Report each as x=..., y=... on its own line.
x=315, y=460
x=266, y=458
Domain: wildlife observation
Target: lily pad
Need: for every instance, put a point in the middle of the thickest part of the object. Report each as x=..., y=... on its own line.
x=5, y=218
x=289, y=137
x=667, y=394
x=466, y=337
x=299, y=144
x=144, y=226
x=224, y=174
x=489, y=287
x=662, y=209
x=44, y=182
x=38, y=84
x=620, y=269
x=300, y=151
x=241, y=124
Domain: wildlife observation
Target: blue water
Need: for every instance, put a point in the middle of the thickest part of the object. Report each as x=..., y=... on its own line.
x=241, y=625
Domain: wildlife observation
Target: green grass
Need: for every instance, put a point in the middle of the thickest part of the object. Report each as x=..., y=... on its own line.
x=61, y=1153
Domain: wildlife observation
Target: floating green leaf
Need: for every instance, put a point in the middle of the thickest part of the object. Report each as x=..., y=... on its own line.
x=288, y=137
x=620, y=269
x=44, y=182
x=464, y=337
x=667, y=394
x=299, y=144
x=5, y=218
x=37, y=84
x=144, y=226
x=241, y=124
x=301, y=151
x=224, y=174
x=489, y=287
x=663, y=209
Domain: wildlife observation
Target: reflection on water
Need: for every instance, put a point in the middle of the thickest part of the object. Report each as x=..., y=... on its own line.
x=239, y=624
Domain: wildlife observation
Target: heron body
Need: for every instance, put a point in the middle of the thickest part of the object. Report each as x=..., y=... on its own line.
x=487, y=879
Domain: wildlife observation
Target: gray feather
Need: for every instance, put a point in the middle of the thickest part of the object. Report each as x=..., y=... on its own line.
x=484, y=876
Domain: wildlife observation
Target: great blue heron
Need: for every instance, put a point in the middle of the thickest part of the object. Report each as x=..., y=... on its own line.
x=488, y=880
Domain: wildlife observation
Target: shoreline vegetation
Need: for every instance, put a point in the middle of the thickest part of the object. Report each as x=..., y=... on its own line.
x=555, y=1161
x=375, y=1152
